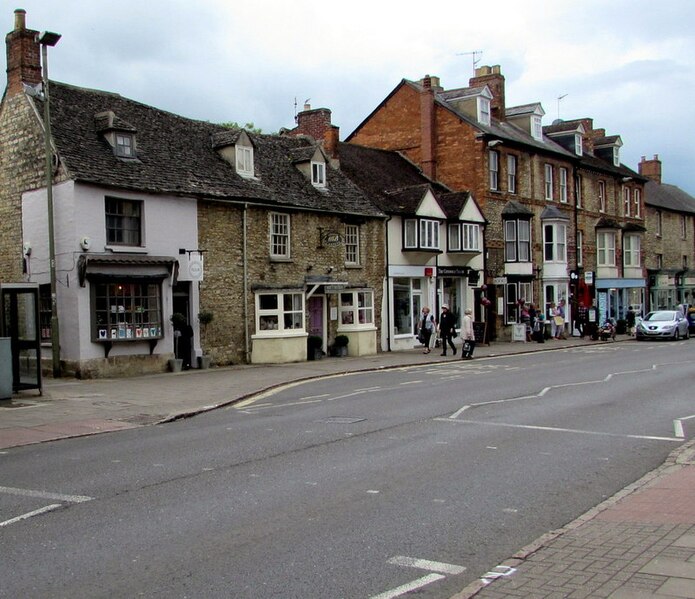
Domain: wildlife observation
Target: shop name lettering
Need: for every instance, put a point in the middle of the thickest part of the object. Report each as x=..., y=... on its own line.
x=330, y=238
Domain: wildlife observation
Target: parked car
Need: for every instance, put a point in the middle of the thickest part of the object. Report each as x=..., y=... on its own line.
x=691, y=319
x=663, y=324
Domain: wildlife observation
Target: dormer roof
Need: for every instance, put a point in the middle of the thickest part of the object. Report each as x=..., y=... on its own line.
x=533, y=109
x=109, y=121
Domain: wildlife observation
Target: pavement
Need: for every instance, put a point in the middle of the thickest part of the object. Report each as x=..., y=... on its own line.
x=639, y=543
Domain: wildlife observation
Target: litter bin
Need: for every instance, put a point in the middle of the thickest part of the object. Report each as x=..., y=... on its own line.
x=5, y=368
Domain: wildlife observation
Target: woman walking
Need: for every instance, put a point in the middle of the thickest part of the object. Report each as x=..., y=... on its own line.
x=426, y=328
x=468, y=336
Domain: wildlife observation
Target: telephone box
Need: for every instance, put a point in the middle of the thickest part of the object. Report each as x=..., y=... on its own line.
x=19, y=321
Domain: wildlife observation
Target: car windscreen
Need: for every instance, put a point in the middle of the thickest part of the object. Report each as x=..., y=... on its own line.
x=661, y=316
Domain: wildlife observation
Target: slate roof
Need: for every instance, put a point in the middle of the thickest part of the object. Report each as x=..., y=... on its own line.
x=394, y=183
x=668, y=197
x=177, y=156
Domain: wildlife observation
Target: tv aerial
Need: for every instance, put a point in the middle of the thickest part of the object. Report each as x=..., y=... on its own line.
x=475, y=54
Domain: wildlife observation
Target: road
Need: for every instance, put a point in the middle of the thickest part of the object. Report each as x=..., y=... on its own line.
x=359, y=486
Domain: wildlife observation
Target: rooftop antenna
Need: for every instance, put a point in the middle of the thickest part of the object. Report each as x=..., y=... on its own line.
x=474, y=54
x=295, y=109
x=558, y=105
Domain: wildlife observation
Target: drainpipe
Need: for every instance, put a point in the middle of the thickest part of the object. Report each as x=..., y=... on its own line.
x=247, y=350
x=389, y=330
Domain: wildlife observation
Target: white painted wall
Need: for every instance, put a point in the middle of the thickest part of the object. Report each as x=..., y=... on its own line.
x=169, y=223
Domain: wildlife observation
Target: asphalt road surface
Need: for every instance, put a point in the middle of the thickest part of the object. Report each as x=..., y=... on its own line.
x=364, y=486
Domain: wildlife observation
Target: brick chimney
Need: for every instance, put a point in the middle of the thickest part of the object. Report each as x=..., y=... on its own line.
x=651, y=168
x=23, y=55
x=493, y=78
x=316, y=123
x=427, y=126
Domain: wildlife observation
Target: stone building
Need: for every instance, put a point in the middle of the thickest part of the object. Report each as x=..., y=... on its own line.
x=159, y=216
x=669, y=240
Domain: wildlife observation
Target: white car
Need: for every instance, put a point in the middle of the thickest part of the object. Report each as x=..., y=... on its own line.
x=663, y=324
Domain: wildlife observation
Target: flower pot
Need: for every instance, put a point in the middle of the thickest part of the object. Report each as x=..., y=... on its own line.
x=175, y=365
x=203, y=362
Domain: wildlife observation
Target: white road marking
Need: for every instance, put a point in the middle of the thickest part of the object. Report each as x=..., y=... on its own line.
x=373, y=491
x=560, y=430
x=43, y=510
x=410, y=586
x=497, y=572
x=678, y=426
x=45, y=495
x=425, y=564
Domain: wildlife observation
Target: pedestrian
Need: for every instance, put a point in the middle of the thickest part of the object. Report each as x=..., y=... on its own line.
x=539, y=327
x=468, y=335
x=447, y=329
x=526, y=319
x=560, y=320
x=426, y=328
x=631, y=321
x=582, y=319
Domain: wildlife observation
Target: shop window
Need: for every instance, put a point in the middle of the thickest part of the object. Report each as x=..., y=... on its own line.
x=356, y=308
x=126, y=310
x=278, y=312
x=123, y=222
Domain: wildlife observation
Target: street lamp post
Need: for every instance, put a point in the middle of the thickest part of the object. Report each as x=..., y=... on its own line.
x=45, y=39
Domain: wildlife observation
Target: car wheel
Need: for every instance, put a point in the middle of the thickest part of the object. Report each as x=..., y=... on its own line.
x=687, y=334
x=676, y=335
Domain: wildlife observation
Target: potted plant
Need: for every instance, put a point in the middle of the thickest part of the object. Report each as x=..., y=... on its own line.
x=178, y=321
x=314, y=347
x=205, y=317
x=340, y=345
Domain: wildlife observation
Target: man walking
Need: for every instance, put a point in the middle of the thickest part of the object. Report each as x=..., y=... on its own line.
x=447, y=325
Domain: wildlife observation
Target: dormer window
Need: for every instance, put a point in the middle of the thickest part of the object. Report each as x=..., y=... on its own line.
x=484, y=110
x=318, y=174
x=124, y=145
x=537, y=127
x=616, y=156
x=578, y=147
x=244, y=160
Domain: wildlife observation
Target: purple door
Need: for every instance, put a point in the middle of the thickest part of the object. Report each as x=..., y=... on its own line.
x=315, y=324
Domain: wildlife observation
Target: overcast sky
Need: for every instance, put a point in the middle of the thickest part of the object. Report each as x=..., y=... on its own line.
x=628, y=64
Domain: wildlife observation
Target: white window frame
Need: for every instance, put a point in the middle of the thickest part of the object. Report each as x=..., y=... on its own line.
x=659, y=261
x=631, y=251
x=601, y=196
x=554, y=242
x=580, y=248
x=429, y=234
x=659, y=223
x=513, y=292
x=494, y=166
x=548, y=181
x=282, y=312
x=605, y=248
x=537, y=127
x=454, y=241
x=626, y=201
x=578, y=144
x=318, y=173
x=616, y=156
x=517, y=240
x=484, y=109
x=637, y=200
x=578, y=191
x=244, y=160
x=352, y=245
x=511, y=173
x=355, y=309
x=563, y=185
x=470, y=233
x=684, y=226
x=279, y=224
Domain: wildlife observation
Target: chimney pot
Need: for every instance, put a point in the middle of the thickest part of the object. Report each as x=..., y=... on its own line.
x=656, y=157
x=20, y=19
x=307, y=106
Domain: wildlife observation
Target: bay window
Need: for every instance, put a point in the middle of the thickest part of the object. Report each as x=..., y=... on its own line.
x=605, y=248
x=555, y=242
x=517, y=241
x=277, y=312
x=631, y=250
x=126, y=310
x=421, y=234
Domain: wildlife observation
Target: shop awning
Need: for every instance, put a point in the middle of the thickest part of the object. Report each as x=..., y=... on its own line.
x=125, y=266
